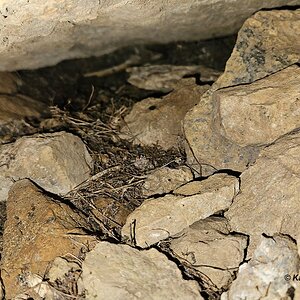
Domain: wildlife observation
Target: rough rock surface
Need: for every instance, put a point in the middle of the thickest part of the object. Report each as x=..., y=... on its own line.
x=57, y=162
x=269, y=198
x=228, y=127
x=165, y=180
x=37, y=230
x=208, y=247
x=158, y=121
x=121, y=272
x=165, y=78
x=267, y=42
x=9, y=83
x=158, y=219
x=263, y=277
x=35, y=33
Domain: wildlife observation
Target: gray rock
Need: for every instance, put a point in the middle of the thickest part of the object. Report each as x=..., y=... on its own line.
x=112, y=271
x=158, y=219
x=165, y=180
x=35, y=34
x=267, y=42
x=264, y=276
x=228, y=128
x=57, y=162
x=208, y=247
x=269, y=198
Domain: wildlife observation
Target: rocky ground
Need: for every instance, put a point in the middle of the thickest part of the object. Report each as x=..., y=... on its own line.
x=156, y=172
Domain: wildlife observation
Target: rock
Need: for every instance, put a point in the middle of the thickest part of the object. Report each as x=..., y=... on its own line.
x=158, y=121
x=165, y=78
x=36, y=34
x=264, y=276
x=120, y=272
x=228, y=128
x=165, y=180
x=208, y=247
x=9, y=83
x=270, y=189
x=37, y=230
x=18, y=107
x=268, y=42
x=160, y=218
x=57, y=162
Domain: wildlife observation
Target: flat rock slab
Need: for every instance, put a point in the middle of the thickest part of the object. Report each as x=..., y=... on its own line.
x=37, y=230
x=35, y=34
x=208, y=247
x=229, y=127
x=269, y=198
x=267, y=42
x=263, y=277
x=120, y=272
x=160, y=218
x=57, y=162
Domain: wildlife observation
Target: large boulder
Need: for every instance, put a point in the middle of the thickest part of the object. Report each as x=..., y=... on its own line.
x=35, y=33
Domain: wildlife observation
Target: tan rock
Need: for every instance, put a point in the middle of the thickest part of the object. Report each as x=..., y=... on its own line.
x=57, y=162
x=19, y=106
x=270, y=189
x=165, y=180
x=228, y=128
x=37, y=230
x=267, y=42
x=165, y=77
x=9, y=83
x=39, y=33
x=207, y=247
x=158, y=219
x=263, y=277
x=158, y=121
x=120, y=272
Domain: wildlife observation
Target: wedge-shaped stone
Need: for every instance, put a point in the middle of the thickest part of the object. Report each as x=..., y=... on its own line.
x=158, y=219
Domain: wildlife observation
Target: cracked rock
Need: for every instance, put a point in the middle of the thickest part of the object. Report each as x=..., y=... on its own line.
x=160, y=218
x=263, y=277
x=121, y=272
x=208, y=247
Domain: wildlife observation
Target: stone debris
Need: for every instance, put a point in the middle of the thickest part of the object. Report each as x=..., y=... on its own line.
x=38, y=229
x=270, y=189
x=268, y=42
x=160, y=218
x=266, y=275
x=228, y=128
x=57, y=162
x=156, y=121
x=165, y=78
x=207, y=247
x=164, y=180
x=121, y=272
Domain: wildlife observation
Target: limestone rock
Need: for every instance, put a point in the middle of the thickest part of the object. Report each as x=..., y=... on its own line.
x=264, y=276
x=14, y=107
x=57, y=162
x=158, y=219
x=208, y=247
x=158, y=121
x=165, y=78
x=267, y=42
x=35, y=33
x=120, y=272
x=37, y=230
x=270, y=189
x=165, y=180
x=9, y=83
x=228, y=128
